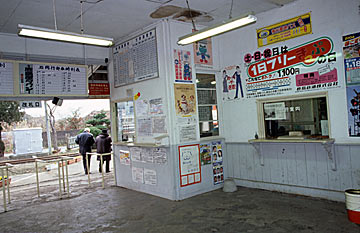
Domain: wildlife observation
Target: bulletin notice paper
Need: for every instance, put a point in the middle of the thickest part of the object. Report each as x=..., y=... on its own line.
x=187, y=133
x=138, y=174
x=135, y=153
x=125, y=157
x=141, y=108
x=6, y=78
x=150, y=177
x=144, y=126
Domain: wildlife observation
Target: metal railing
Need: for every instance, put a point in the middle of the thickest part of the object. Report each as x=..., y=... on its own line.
x=102, y=166
x=6, y=168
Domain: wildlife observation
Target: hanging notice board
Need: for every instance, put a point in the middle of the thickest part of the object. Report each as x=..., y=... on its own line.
x=52, y=79
x=6, y=78
x=136, y=59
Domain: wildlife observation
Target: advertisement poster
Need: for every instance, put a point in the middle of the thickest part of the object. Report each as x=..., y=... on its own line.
x=190, y=168
x=285, y=30
x=150, y=177
x=217, y=161
x=125, y=157
x=185, y=101
x=205, y=154
x=137, y=174
x=182, y=64
x=351, y=53
x=281, y=70
x=203, y=53
x=6, y=78
x=232, y=84
x=50, y=79
x=353, y=106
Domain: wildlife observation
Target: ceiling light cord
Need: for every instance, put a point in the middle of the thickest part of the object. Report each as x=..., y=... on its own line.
x=230, y=14
x=192, y=20
x=81, y=18
x=54, y=11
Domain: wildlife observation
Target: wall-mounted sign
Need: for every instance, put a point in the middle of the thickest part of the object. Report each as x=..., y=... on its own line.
x=30, y=104
x=52, y=80
x=190, y=167
x=306, y=67
x=99, y=89
x=182, y=64
x=351, y=52
x=285, y=30
x=203, y=53
x=136, y=59
x=6, y=78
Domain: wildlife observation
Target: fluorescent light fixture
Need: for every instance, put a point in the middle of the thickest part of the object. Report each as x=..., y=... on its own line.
x=217, y=29
x=44, y=33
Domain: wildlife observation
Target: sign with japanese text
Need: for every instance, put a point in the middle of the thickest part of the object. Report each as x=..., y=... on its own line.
x=99, y=89
x=6, y=78
x=351, y=53
x=285, y=30
x=30, y=104
x=306, y=67
x=190, y=166
x=51, y=80
x=182, y=64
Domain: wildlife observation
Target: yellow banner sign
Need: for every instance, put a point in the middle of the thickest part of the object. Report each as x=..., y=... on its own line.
x=285, y=30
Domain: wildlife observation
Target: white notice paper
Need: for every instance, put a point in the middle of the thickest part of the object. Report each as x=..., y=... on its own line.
x=144, y=127
x=187, y=133
x=141, y=108
x=150, y=176
x=6, y=78
x=275, y=111
x=138, y=174
x=159, y=125
x=156, y=106
x=135, y=153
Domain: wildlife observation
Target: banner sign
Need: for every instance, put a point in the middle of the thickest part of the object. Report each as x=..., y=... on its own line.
x=306, y=67
x=285, y=30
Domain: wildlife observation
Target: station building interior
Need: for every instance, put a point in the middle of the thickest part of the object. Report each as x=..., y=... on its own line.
x=270, y=105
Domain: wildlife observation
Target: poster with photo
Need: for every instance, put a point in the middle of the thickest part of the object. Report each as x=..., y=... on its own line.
x=182, y=65
x=203, y=53
x=351, y=53
x=353, y=107
x=205, y=154
x=125, y=157
x=216, y=152
x=185, y=101
x=190, y=168
x=217, y=161
x=218, y=173
x=232, y=83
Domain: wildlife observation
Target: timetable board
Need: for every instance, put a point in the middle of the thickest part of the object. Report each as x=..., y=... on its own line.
x=52, y=79
x=136, y=59
x=6, y=78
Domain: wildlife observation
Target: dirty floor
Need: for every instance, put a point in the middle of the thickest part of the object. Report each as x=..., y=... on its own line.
x=116, y=209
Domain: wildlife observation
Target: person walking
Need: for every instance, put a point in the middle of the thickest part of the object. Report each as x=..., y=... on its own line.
x=85, y=141
x=103, y=146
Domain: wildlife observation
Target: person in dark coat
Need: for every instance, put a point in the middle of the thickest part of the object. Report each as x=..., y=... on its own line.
x=85, y=141
x=103, y=146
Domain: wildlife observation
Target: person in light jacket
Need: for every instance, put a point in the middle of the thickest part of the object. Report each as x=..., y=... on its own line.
x=103, y=146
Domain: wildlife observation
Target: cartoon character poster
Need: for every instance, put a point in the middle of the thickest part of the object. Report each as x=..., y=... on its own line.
x=203, y=52
x=182, y=64
x=232, y=83
x=185, y=99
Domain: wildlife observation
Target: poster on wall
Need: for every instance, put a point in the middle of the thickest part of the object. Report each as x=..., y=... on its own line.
x=205, y=154
x=232, y=84
x=310, y=66
x=137, y=174
x=144, y=127
x=50, y=80
x=6, y=78
x=150, y=177
x=275, y=111
x=190, y=168
x=185, y=101
x=203, y=53
x=136, y=59
x=187, y=133
x=353, y=107
x=124, y=157
x=141, y=108
x=182, y=64
x=351, y=53
x=285, y=30
x=217, y=161
x=156, y=106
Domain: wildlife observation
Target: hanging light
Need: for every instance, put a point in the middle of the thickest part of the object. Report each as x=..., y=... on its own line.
x=229, y=25
x=44, y=33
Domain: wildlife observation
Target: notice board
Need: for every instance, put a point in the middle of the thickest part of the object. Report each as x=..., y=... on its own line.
x=6, y=78
x=136, y=59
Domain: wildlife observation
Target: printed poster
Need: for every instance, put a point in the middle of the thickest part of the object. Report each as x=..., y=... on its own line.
x=159, y=155
x=124, y=157
x=275, y=111
x=141, y=108
x=185, y=101
x=203, y=53
x=353, y=106
x=156, y=106
x=137, y=174
x=187, y=133
x=150, y=177
x=182, y=64
x=310, y=66
x=190, y=168
x=232, y=83
x=351, y=53
x=217, y=161
x=135, y=153
x=205, y=154
x=159, y=125
x=144, y=127
x=285, y=30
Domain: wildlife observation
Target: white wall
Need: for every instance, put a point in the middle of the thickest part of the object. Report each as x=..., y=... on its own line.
x=331, y=18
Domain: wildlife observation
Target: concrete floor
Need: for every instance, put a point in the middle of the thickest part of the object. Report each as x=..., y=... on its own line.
x=116, y=209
